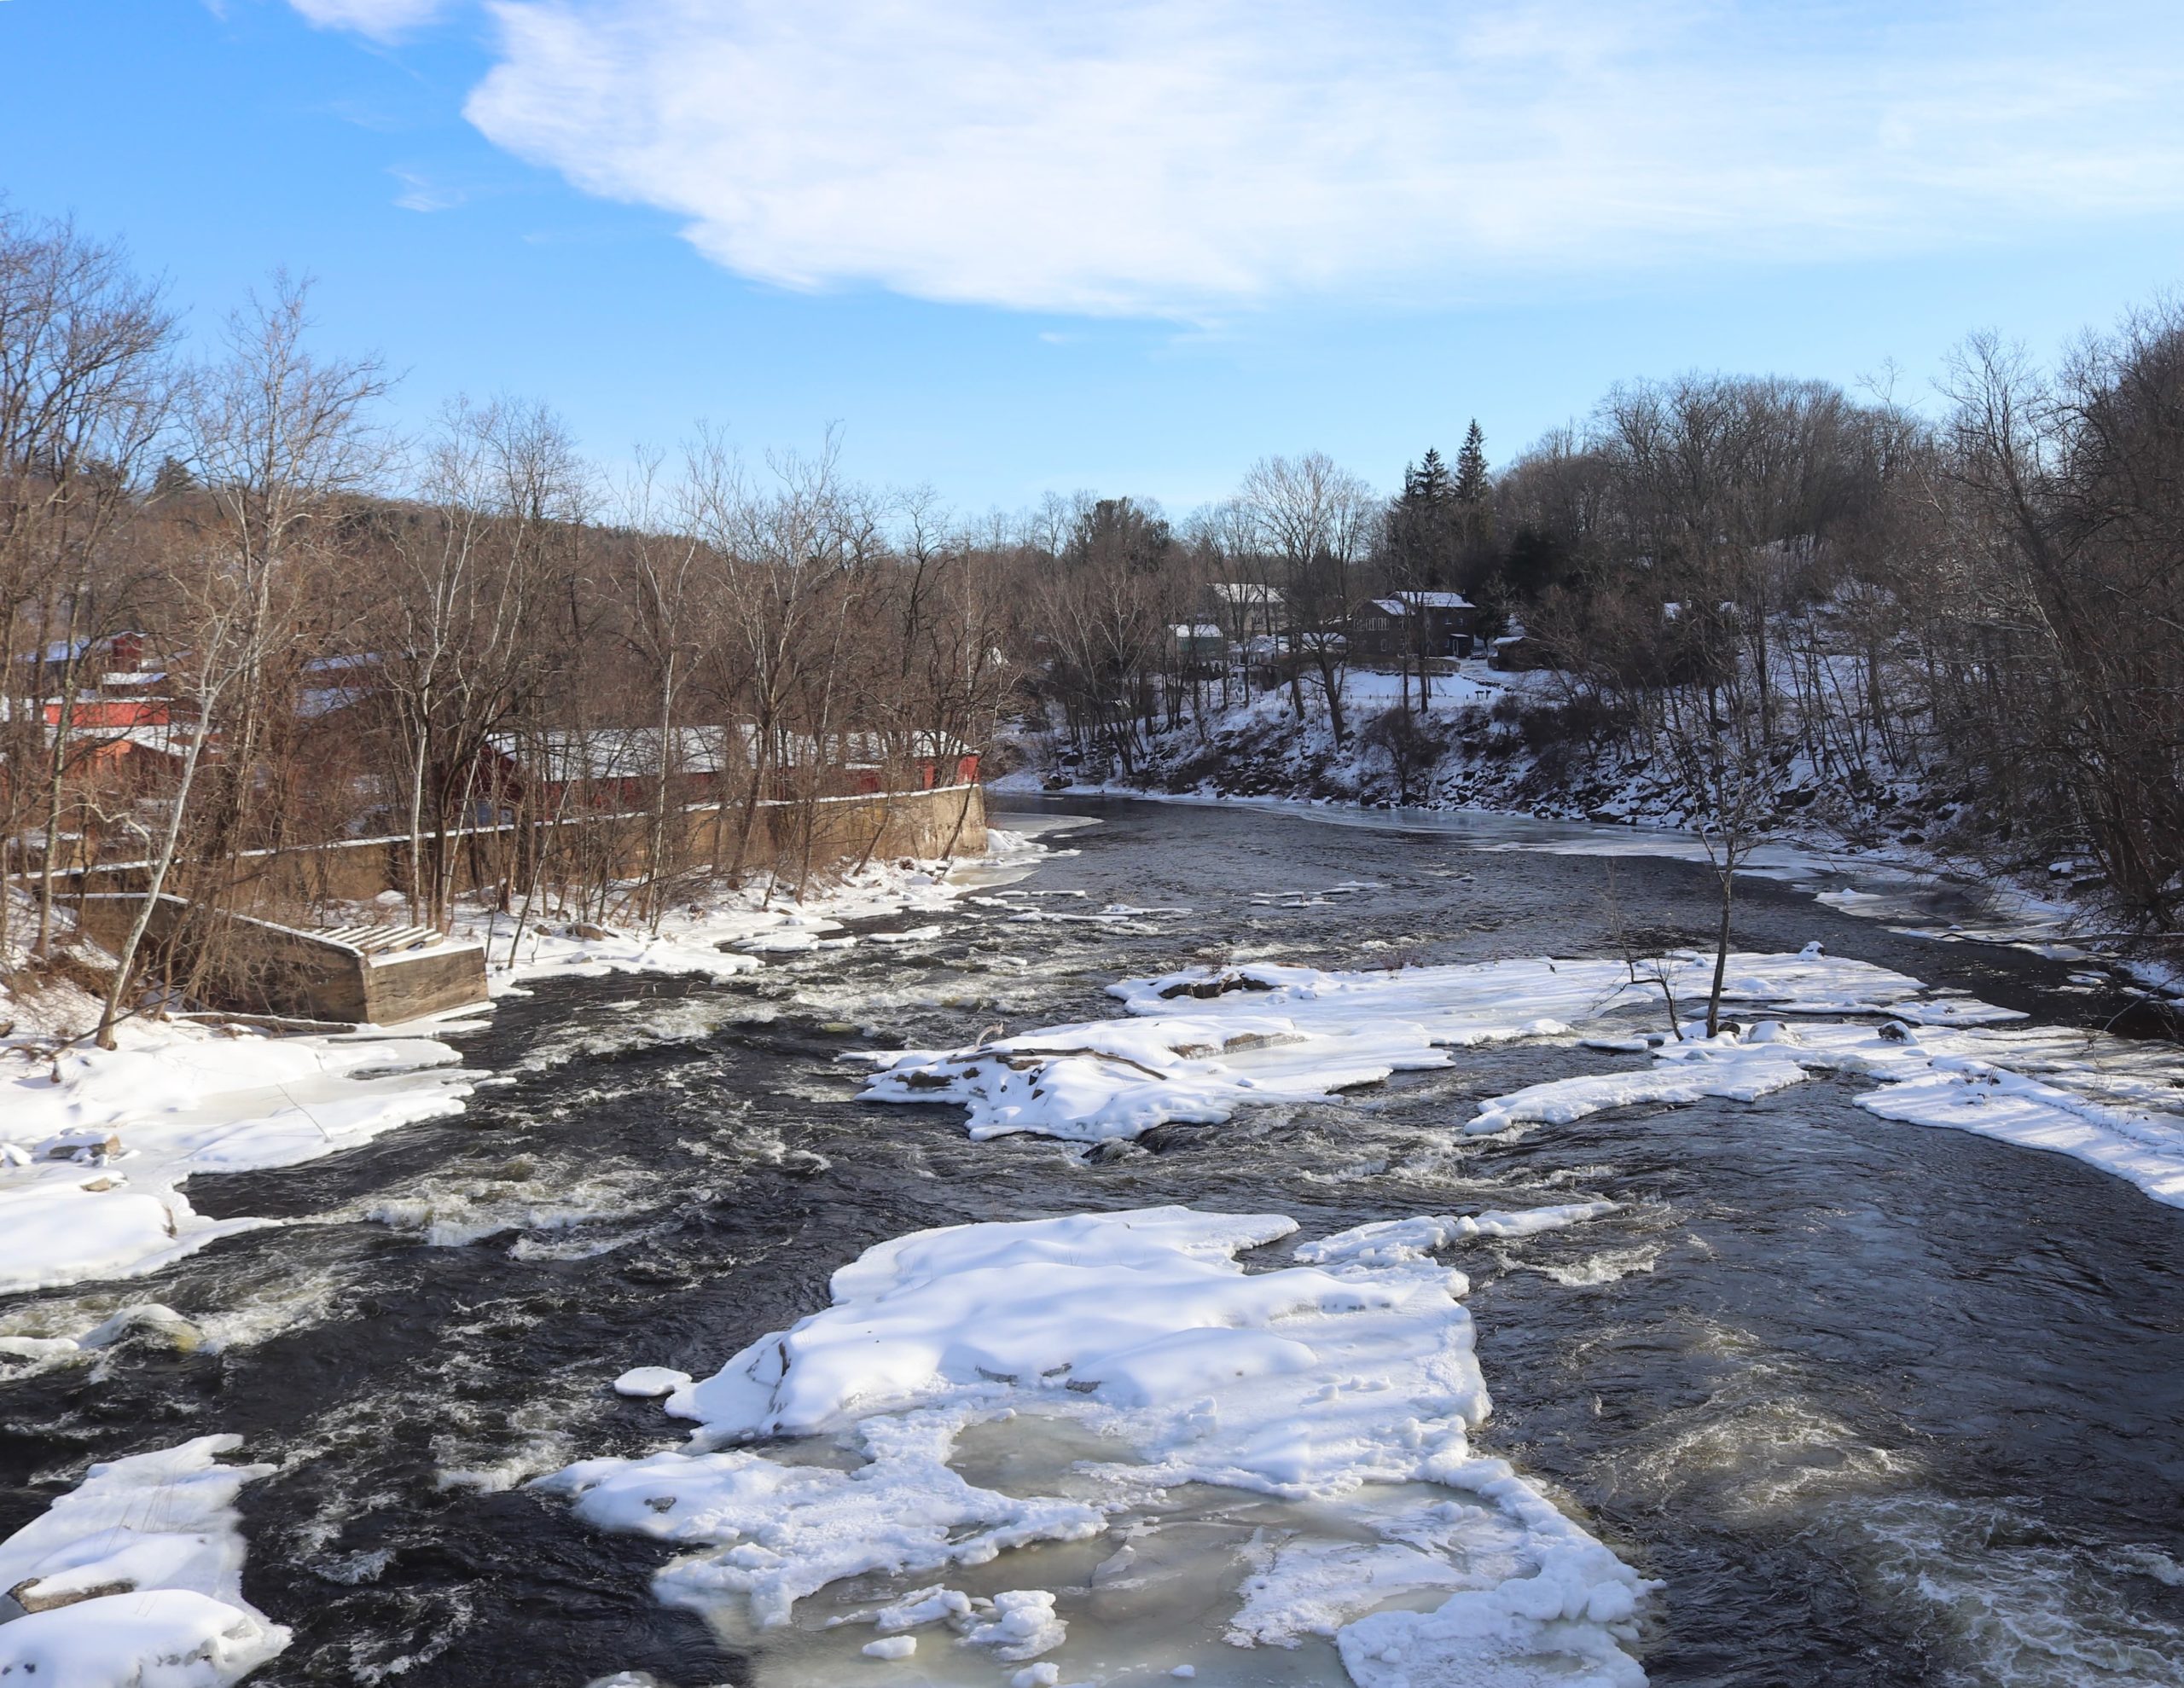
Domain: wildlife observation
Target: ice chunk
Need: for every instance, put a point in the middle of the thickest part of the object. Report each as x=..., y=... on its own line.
x=1204, y=1042
x=1022, y=1626
x=647, y=1382
x=134, y=1579
x=1314, y=1386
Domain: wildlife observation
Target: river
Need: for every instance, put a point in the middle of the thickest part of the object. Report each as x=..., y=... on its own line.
x=1879, y=1404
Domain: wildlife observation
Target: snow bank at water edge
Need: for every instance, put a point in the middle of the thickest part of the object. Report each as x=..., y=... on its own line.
x=1103, y=1367
x=133, y=1580
x=97, y=1142
x=724, y=933
x=1205, y=1041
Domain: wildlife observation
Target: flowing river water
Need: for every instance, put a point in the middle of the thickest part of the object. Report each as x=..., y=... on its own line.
x=1879, y=1404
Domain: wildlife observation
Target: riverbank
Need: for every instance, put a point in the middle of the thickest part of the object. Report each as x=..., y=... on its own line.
x=1480, y=749
x=96, y=1146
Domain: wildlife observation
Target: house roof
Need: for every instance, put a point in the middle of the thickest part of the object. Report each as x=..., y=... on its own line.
x=567, y=755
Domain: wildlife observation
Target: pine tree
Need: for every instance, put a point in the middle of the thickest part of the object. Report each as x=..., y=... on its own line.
x=1471, y=467
x=1425, y=483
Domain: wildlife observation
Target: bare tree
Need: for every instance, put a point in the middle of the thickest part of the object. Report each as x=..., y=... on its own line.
x=275, y=436
x=1315, y=518
x=86, y=386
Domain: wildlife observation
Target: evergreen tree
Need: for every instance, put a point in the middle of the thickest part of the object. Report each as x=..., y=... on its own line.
x=173, y=478
x=1421, y=525
x=1470, y=486
x=1425, y=483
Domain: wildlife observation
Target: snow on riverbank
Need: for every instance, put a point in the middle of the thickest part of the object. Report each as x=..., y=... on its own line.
x=724, y=932
x=1096, y=1370
x=98, y=1142
x=134, y=1579
x=1203, y=1042
x=95, y=1145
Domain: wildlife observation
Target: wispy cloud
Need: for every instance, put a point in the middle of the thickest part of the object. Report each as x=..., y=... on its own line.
x=1184, y=158
x=423, y=192
x=381, y=19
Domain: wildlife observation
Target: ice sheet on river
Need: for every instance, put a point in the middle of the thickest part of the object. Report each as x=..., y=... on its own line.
x=1203, y=1042
x=1131, y=1366
x=134, y=1579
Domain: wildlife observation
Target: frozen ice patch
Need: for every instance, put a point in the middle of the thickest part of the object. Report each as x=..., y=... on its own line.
x=1203, y=1042
x=1318, y=1388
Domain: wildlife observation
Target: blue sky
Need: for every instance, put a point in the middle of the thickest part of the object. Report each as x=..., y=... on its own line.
x=1115, y=244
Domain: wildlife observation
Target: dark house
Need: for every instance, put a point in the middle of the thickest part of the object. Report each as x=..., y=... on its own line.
x=1436, y=624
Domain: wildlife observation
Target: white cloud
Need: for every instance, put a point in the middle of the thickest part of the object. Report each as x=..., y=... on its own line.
x=1186, y=157
x=381, y=19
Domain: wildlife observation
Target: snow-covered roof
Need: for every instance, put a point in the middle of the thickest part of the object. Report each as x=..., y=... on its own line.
x=62, y=650
x=1197, y=629
x=1246, y=592
x=1431, y=601
x=315, y=701
x=570, y=754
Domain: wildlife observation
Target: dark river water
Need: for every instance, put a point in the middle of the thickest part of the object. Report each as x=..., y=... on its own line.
x=1879, y=1404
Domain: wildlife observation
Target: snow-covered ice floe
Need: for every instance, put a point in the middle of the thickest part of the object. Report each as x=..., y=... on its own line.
x=1100, y=1437
x=134, y=1579
x=98, y=1142
x=2096, y=1099
x=1205, y=1041
x=1201, y=1044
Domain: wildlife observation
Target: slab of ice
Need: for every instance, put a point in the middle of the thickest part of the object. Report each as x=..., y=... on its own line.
x=1393, y=1242
x=650, y=1382
x=1320, y=1385
x=134, y=1579
x=1562, y=1100
x=2097, y=1099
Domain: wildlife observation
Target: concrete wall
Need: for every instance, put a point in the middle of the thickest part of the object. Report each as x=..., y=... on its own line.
x=255, y=967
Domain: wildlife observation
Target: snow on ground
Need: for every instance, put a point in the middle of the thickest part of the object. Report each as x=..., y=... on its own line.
x=95, y=1145
x=1125, y=1361
x=98, y=1142
x=1203, y=1042
x=134, y=1579
x=724, y=933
